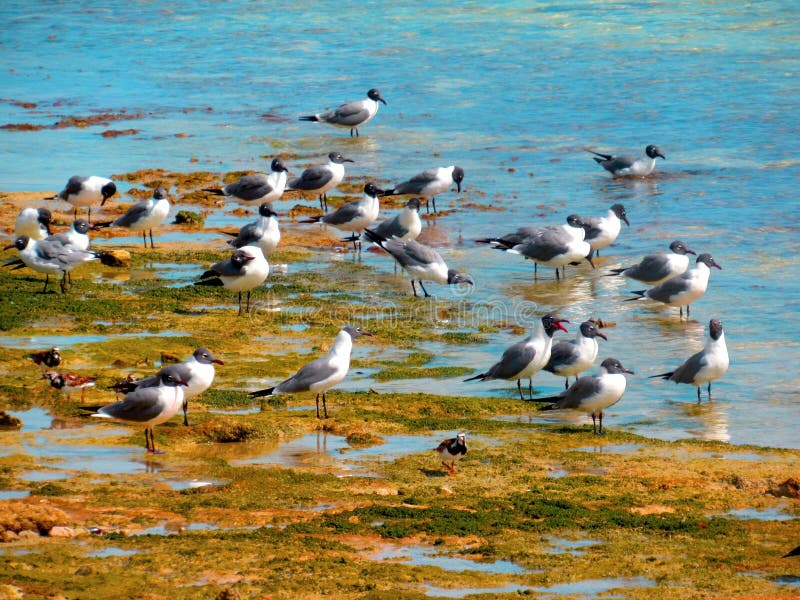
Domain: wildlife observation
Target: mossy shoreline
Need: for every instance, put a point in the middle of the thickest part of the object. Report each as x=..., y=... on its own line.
x=658, y=512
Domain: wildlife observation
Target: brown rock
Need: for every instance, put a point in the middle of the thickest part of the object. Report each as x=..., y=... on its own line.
x=39, y=518
x=228, y=594
x=27, y=534
x=8, y=421
x=60, y=531
x=788, y=489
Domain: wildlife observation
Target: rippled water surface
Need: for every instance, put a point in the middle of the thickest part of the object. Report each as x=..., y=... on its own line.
x=513, y=94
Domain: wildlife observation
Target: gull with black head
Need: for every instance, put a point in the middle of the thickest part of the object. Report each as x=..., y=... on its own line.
x=258, y=187
x=629, y=166
x=421, y=262
x=320, y=179
x=430, y=184
x=658, y=267
x=351, y=115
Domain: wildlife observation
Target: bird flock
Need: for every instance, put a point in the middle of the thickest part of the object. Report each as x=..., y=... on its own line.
x=156, y=399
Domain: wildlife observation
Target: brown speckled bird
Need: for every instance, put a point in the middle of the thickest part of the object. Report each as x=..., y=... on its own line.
x=69, y=382
x=451, y=451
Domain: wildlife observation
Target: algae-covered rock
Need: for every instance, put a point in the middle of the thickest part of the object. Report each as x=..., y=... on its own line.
x=189, y=217
x=25, y=516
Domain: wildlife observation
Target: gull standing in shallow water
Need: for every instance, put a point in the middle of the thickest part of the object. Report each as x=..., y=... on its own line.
x=573, y=357
x=551, y=247
x=451, y=450
x=706, y=366
x=526, y=358
x=351, y=115
x=198, y=373
x=660, y=266
x=322, y=374
x=682, y=289
x=33, y=222
x=143, y=216
x=603, y=231
x=319, y=179
x=354, y=216
x=149, y=406
x=263, y=232
x=257, y=188
x=430, y=183
x=406, y=225
x=593, y=393
x=87, y=191
x=421, y=262
x=629, y=166
x=246, y=269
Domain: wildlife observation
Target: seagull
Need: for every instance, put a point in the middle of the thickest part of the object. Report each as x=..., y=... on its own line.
x=551, y=247
x=76, y=236
x=257, y=188
x=706, y=366
x=406, y=225
x=198, y=373
x=263, y=232
x=624, y=166
x=603, y=231
x=573, y=357
x=318, y=179
x=69, y=382
x=660, y=266
x=351, y=115
x=593, y=393
x=526, y=358
x=420, y=261
x=51, y=257
x=573, y=226
x=354, y=216
x=451, y=450
x=143, y=216
x=47, y=358
x=246, y=269
x=322, y=374
x=682, y=289
x=149, y=406
x=86, y=191
x=33, y=222
x=430, y=183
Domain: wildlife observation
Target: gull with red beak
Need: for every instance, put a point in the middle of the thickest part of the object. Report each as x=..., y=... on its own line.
x=683, y=289
x=149, y=406
x=527, y=357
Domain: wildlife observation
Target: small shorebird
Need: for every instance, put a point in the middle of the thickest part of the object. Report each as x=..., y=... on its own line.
x=69, y=382
x=451, y=450
x=47, y=358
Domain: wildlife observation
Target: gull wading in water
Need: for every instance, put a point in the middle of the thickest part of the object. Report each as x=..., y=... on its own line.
x=320, y=179
x=705, y=366
x=351, y=115
x=527, y=357
x=86, y=192
x=658, y=267
x=629, y=166
x=421, y=262
x=593, y=393
x=430, y=183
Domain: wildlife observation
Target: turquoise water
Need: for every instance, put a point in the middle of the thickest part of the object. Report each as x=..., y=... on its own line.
x=512, y=93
